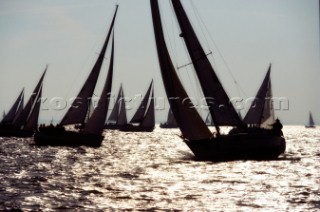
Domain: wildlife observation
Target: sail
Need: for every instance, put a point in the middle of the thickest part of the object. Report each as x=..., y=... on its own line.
x=221, y=109
x=187, y=118
x=122, y=118
x=78, y=110
x=95, y=124
x=20, y=120
x=311, y=122
x=171, y=120
x=149, y=118
x=16, y=107
x=261, y=110
x=115, y=111
x=139, y=115
x=32, y=121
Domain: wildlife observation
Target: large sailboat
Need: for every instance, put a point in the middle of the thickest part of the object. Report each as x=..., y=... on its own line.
x=204, y=144
x=22, y=121
x=91, y=132
x=311, y=122
x=144, y=118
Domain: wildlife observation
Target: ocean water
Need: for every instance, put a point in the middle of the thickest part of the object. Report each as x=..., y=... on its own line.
x=156, y=172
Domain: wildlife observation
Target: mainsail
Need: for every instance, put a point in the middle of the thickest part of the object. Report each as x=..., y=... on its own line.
x=78, y=110
x=221, y=109
x=187, y=117
x=113, y=118
x=32, y=121
x=15, y=109
x=261, y=111
x=95, y=124
x=122, y=118
x=20, y=120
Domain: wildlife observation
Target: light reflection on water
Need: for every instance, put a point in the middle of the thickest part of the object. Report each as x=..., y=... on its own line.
x=156, y=171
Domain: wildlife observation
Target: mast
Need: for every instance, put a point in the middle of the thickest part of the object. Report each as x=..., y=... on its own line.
x=140, y=113
x=187, y=117
x=78, y=110
x=95, y=124
x=221, y=109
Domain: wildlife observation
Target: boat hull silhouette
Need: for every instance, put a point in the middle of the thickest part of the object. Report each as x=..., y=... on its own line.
x=67, y=138
x=168, y=126
x=244, y=146
x=133, y=128
x=309, y=126
x=16, y=133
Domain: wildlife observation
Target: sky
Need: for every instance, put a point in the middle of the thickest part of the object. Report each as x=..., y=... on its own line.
x=242, y=36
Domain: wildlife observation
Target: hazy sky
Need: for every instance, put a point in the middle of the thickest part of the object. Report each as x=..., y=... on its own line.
x=244, y=36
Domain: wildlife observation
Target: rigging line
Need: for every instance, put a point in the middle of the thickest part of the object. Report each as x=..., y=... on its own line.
x=202, y=24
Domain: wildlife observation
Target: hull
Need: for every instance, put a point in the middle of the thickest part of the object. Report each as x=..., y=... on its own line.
x=133, y=128
x=67, y=138
x=111, y=126
x=9, y=132
x=310, y=126
x=168, y=126
x=238, y=147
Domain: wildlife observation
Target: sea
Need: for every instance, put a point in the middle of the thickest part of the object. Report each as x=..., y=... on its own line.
x=157, y=172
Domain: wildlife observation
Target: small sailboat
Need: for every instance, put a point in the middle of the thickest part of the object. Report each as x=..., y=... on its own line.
x=23, y=121
x=144, y=118
x=91, y=132
x=118, y=116
x=311, y=122
x=195, y=133
x=171, y=121
x=209, y=121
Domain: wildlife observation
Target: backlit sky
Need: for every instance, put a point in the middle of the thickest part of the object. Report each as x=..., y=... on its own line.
x=243, y=35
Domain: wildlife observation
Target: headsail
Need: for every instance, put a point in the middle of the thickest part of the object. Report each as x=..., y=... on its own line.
x=221, y=109
x=20, y=120
x=95, y=124
x=139, y=115
x=32, y=121
x=122, y=118
x=149, y=117
x=113, y=118
x=187, y=117
x=15, y=109
x=78, y=110
x=171, y=120
x=261, y=111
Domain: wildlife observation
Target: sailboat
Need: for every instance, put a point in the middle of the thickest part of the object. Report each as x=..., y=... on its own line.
x=209, y=121
x=311, y=122
x=23, y=121
x=91, y=133
x=204, y=144
x=144, y=118
x=118, y=116
x=171, y=122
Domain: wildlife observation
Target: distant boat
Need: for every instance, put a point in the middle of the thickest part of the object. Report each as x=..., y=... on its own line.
x=91, y=132
x=23, y=121
x=205, y=145
x=171, y=121
x=209, y=121
x=311, y=122
x=118, y=116
x=144, y=118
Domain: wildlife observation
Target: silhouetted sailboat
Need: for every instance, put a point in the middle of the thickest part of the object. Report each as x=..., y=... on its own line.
x=91, y=133
x=171, y=121
x=311, y=122
x=23, y=122
x=209, y=121
x=195, y=133
x=144, y=118
x=118, y=116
